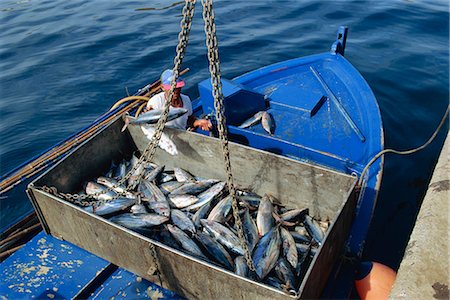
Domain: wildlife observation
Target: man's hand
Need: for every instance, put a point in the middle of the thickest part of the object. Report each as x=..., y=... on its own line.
x=203, y=124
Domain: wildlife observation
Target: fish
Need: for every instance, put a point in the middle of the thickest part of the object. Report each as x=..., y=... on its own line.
x=200, y=214
x=264, y=219
x=156, y=199
x=285, y=274
x=153, y=116
x=252, y=120
x=207, y=196
x=215, y=250
x=93, y=188
x=182, y=201
x=165, y=143
x=250, y=229
x=220, y=212
x=114, y=185
x=185, y=241
x=138, y=209
x=138, y=169
x=294, y=215
x=193, y=188
x=240, y=266
x=182, y=175
x=268, y=123
x=111, y=207
x=251, y=201
x=314, y=229
x=289, y=248
x=121, y=170
x=169, y=187
x=138, y=221
x=152, y=175
x=300, y=238
x=223, y=235
x=181, y=220
x=266, y=253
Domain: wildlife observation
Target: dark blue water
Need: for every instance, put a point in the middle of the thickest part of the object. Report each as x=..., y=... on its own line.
x=63, y=63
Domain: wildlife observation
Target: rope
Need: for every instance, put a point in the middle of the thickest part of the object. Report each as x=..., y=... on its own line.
x=404, y=152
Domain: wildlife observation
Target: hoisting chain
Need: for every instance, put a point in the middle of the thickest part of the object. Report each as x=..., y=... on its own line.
x=149, y=151
x=214, y=68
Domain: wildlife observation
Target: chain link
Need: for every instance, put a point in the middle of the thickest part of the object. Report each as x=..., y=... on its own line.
x=214, y=68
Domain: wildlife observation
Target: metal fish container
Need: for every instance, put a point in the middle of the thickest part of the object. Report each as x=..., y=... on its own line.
x=328, y=194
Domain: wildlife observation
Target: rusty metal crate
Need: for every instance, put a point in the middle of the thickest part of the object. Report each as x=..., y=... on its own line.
x=328, y=194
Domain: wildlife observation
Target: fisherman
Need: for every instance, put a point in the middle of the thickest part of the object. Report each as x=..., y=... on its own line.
x=178, y=100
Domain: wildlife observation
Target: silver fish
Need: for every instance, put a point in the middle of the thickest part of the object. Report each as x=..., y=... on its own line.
x=297, y=215
x=252, y=120
x=114, y=185
x=138, y=209
x=207, y=196
x=168, y=187
x=200, y=214
x=152, y=116
x=156, y=199
x=284, y=273
x=220, y=212
x=216, y=250
x=267, y=122
x=223, y=235
x=264, y=219
x=250, y=229
x=193, y=188
x=138, y=221
x=180, y=219
x=110, y=207
x=182, y=175
x=185, y=241
x=266, y=253
x=251, y=201
x=182, y=201
x=93, y=188
x=138, y=169
x=120, y=171
x=289, y=249
x=314, y=229
x=300, y=238
x=154, y=174
x=240, y=266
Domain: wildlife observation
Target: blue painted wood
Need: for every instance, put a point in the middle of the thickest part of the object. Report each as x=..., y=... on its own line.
x=126, y=285
x=48, y=268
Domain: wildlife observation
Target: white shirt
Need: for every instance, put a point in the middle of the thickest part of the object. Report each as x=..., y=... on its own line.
x=158, y=101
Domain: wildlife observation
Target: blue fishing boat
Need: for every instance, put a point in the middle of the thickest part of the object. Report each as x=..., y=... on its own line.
x=325, y=117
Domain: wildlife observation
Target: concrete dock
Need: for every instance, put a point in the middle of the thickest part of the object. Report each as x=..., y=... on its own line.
x=424, y=271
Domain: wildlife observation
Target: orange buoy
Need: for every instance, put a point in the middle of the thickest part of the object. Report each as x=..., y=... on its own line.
x=374, y=281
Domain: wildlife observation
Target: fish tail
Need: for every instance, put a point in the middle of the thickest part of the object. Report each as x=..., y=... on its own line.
x=127, y=121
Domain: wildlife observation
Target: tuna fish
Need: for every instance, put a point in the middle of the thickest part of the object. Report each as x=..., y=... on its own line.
x=266, y=253
x=252, y=120
x=185, y=241
x=268, y=123
x=110, y=207
x=138, y=221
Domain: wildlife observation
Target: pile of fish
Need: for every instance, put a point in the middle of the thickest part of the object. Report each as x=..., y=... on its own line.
x=194, y=215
